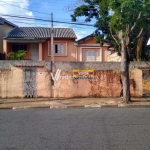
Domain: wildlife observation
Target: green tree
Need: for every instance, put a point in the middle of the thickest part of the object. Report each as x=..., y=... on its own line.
x=122, y=23
x=19, y=55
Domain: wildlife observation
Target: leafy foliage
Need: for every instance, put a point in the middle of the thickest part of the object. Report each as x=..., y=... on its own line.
x=17, y=55
x=113, y=16
x=125, y=24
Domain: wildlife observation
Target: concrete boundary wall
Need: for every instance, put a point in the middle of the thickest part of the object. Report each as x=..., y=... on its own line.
x=107, y=83
x=6, y=65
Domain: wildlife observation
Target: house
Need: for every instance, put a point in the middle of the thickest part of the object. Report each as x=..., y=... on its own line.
x=5, y=27
x=37, y=42
x=113, y=55
x=89, y=50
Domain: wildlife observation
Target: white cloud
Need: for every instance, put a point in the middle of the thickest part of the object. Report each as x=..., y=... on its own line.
x=7, y=8
x=29, y=14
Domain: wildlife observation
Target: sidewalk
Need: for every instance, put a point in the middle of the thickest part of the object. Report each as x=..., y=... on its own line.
x=24, y=103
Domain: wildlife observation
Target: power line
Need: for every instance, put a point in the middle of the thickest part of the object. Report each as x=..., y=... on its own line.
x=22, y=20
x=39, y=19
x=43, y=25
x=44, y=17
x=29, y=23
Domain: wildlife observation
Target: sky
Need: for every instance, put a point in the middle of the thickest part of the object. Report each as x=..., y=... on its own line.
x=42, y=9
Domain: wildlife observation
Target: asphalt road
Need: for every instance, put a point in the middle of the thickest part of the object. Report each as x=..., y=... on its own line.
x=75, y=129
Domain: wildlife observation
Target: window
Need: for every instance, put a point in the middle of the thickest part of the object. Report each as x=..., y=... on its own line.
x=91, y=55
x=59, y=48
x=17, y=47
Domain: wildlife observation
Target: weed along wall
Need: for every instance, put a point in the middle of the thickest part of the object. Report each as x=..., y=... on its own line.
x=36, y=79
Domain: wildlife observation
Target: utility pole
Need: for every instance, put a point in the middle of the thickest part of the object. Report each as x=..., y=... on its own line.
x=52, y=53
x=52, y=40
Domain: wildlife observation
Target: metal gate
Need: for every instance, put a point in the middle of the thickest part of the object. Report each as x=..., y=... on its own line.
x=29, y=82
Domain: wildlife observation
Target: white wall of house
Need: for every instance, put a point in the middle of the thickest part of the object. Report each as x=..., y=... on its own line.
x=4, y=29
x=114, y=57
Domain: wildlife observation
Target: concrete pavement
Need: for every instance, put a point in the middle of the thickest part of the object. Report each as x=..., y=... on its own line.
x=16, y=103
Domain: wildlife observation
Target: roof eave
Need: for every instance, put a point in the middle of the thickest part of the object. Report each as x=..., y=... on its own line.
x=84, y=39
x=25, y=40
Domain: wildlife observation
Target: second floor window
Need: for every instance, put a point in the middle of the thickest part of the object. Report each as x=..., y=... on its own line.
x=59, y=48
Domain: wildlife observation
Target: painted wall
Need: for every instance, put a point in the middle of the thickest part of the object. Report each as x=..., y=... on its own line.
x=4, y=29
x=138, y=81
x=146, y=82
x=43, y=80
x=69, y=50
x=12, y=82
x=106, y=82
x=89, y=41
x=90, y=44
x=105, y=54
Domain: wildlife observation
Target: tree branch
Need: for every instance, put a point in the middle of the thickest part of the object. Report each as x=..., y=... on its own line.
x=114, y=37
x=139, y=16
x=140, y=33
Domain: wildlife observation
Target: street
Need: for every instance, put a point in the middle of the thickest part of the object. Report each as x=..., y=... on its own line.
x=75, y=129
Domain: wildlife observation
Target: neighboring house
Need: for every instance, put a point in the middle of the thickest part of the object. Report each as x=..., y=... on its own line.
x=37, y=42
x=114, y=57
x=89, y=50
x=5, y=27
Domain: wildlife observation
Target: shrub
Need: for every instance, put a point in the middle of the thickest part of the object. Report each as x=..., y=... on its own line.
x=17, y=55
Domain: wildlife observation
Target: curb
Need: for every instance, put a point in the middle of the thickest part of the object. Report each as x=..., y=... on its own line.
x=77, y=106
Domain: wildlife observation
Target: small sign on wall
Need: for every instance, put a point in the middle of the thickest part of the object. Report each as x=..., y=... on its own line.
x=40, y=73
x=83, y=74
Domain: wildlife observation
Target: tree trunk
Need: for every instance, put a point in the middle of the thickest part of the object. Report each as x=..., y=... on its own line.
x=139, y=48
x=125, y=71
